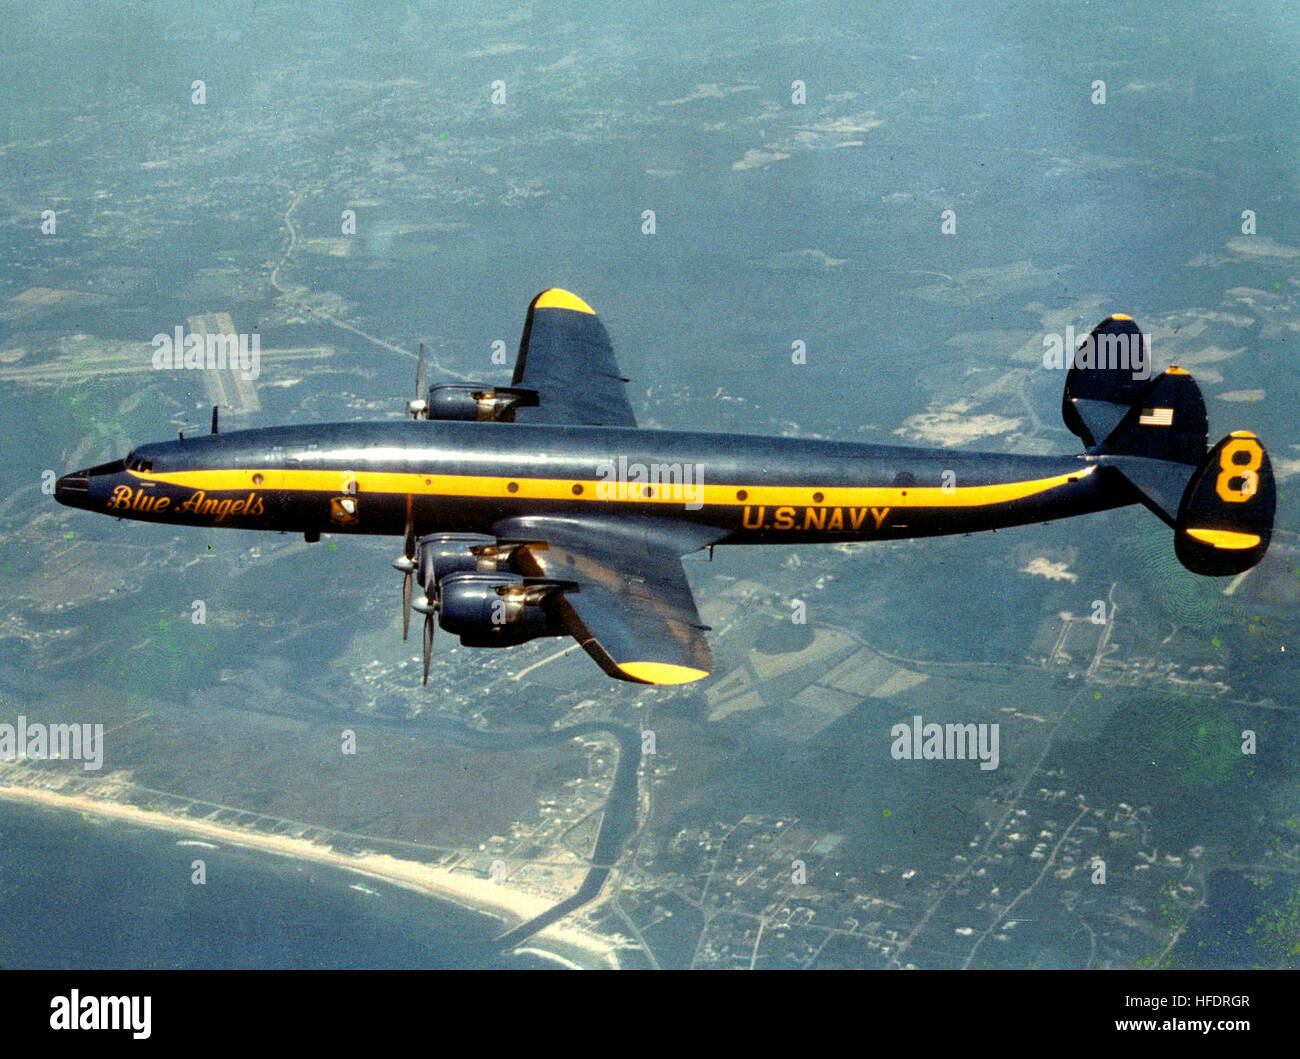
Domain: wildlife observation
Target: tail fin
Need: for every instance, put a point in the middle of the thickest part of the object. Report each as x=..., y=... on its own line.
x=1226, y=518
x=1110, y=369
x=1165, y=421
x=1154, y=433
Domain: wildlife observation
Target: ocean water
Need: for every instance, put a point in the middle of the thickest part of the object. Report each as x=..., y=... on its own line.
x=78, y=892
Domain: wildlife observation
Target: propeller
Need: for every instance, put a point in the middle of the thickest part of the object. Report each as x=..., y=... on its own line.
x=419, y=408
x=429, y=604
x=406, y=564
x=428, y=644
x=406, y=605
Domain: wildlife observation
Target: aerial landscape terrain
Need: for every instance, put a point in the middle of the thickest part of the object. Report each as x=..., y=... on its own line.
x=797, y=221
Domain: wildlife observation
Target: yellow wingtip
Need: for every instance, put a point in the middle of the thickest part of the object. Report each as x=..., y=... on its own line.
x=562, y=299
x=661, y=672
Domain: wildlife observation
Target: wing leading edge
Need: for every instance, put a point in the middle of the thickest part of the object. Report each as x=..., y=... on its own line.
x=632, y=610
x=565, y=356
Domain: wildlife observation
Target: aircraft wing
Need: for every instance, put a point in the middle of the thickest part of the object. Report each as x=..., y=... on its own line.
x=565, y=355
x=632, y=609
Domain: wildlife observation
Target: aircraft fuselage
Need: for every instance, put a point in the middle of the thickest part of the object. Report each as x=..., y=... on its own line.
x=451, y=476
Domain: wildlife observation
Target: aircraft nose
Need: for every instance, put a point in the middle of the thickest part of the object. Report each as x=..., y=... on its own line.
x=73, y=489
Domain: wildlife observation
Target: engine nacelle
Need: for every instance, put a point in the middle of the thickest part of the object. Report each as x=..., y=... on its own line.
x=493, y=609
x=478, y=403
x=440, y=554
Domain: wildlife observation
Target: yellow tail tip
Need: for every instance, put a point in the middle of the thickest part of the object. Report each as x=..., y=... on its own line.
x=562, y=299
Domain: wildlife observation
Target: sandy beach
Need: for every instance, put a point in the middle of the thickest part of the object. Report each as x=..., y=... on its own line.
x=512, y=906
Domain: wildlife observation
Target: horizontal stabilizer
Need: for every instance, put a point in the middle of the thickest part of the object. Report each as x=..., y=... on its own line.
x=1160, y=483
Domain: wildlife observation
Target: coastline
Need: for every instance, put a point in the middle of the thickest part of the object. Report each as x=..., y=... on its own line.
x=481, y=896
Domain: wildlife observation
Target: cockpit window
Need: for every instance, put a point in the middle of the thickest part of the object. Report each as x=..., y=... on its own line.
x=135, y=463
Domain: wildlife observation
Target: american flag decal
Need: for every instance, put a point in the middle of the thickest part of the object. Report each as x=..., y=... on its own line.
x=1156, y=417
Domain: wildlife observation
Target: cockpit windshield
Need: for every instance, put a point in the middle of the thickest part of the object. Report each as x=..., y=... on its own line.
x=135, y=463
x=115, y=467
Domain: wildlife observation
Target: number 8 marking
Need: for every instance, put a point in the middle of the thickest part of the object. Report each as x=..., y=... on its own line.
x=1247, y=472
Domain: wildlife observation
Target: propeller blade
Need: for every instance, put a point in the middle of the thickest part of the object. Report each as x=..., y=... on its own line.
x=428, y=644
x=407, y=578
x=407, y=565
x=419, y=406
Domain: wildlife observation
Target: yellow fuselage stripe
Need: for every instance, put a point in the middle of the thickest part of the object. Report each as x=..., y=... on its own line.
x=596, y=490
